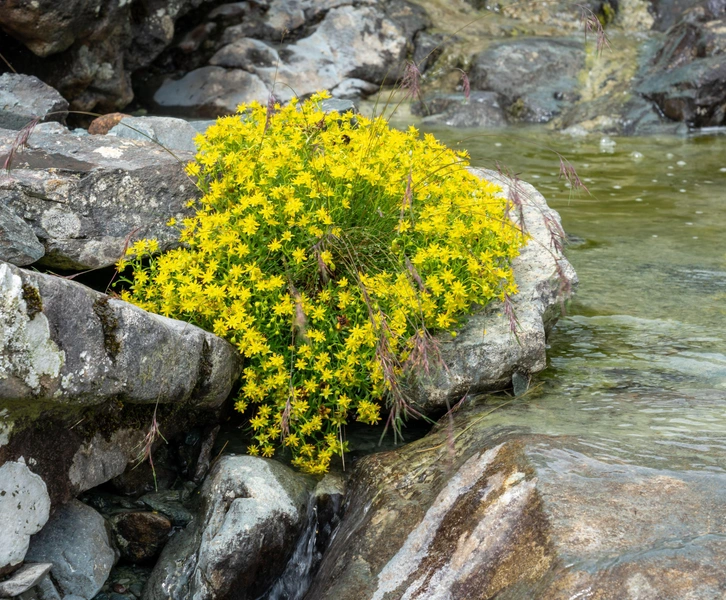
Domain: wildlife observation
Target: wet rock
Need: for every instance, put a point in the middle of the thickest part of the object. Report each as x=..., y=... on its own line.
x=140, y=536
x=535, y=77
x=485, y=354
x=75, y=540
x=24, y=507
x=167, y=132
x=103, y=124
x=86, y=197
x=86, y=49
x=687, y=79
x=481, y=511
x=174, y=504
x=244, y=500
x=24, y=98
x=482, y=109
x=25, y=578
x=18, y=244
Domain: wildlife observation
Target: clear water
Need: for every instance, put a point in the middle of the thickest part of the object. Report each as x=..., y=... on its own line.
x=638, y=367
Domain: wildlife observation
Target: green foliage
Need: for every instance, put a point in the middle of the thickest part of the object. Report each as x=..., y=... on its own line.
x=326, y=247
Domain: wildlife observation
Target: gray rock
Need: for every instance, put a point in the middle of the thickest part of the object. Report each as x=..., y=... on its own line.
x=350, y=51
x=535, y=77
x=245, y=53
x=211, y=91
x=24, y=98
x=24, y=509
x=18, y=244
x=502, y=513
x=485, y=354
x=26, y=577
x=168, y=132
x=350, y=42
x=86, y=197
x=245, y=500
x=482, y=109
x=687, y=79
x=65, y=343
x=75, y=540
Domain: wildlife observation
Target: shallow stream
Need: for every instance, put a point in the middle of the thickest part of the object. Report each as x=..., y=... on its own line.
x=638, y=366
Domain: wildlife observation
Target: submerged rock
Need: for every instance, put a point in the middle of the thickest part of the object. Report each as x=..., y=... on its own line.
x=85, y=198
x=490, y=348
x=252, y=511
x=474, y=511
x=76, y=541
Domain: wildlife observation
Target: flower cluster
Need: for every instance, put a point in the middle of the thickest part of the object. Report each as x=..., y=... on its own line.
x=326, y=247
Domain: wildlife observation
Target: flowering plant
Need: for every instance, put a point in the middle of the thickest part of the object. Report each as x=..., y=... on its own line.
x=327, y=247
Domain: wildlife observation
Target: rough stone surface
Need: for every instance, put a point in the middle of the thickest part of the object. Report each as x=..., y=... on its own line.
x=534, y=77
x=482, y=109
x=487, y=512
x=62, y=342
x=351, y=51
x=167, y=132
x=24, y=509
x=24, y=98
x=75, y=540
x=87, y=49
x=25, y=578
x=140, y=535
x=485, y=354
x=245, y=500
x=687, y=79
x=18, y=243
x=86, y=197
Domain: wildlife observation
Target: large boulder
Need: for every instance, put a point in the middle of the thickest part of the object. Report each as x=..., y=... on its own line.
x=86, y=197
x=535, y=77
x=251, y=515
x=94, y=374
x=476, y=511
x=87, y=49
x=76, y=541
x=490, y=352
x=24, y=98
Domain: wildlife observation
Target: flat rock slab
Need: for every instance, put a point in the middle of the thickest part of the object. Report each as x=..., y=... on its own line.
x=482, y=512
x=85, y=197
x=486, y=355
x=18, y=244
x=25, y=578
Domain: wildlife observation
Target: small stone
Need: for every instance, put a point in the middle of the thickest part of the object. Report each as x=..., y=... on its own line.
x=102, y=125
